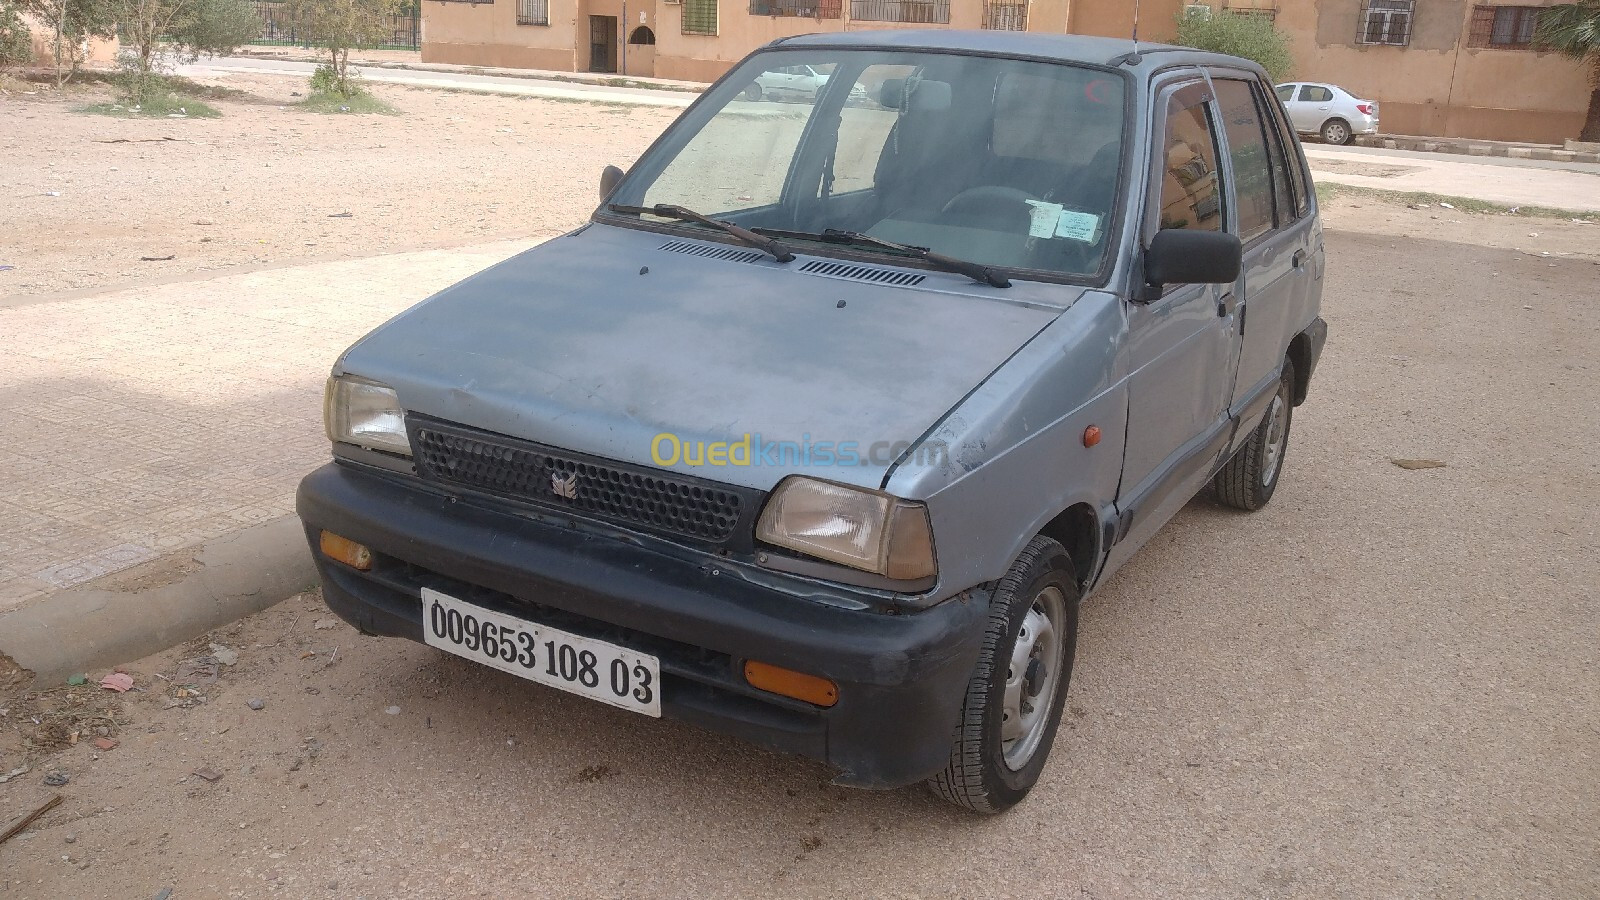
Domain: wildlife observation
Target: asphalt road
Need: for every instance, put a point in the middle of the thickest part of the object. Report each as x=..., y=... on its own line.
x=1386, y=684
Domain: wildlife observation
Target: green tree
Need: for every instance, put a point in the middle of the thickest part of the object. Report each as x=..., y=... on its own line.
x=340, y=26
x=1253, y=37
x=72, y=23
x=16, y=40
x=1573, y=30
x=182, y=28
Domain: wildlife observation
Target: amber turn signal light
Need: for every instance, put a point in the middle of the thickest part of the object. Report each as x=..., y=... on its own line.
x=789, y=683
x=1091, y=435
x=352, y=554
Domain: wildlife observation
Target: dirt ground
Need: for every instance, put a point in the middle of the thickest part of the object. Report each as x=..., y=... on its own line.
x=267, y=183
x=1383, y=685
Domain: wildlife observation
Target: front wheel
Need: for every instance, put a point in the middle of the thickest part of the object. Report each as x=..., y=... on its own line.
x=1248, y=480
x=1014, y=699
x=1336, y=131
x=753, y=92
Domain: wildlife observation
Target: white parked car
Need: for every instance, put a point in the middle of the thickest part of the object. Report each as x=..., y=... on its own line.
x=1329, y=111
x=795, y=83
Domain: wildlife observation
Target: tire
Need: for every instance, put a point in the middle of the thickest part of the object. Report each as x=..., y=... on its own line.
x=753, y=92
x=1337, y=132
x=988, y=772
x=1248, y=480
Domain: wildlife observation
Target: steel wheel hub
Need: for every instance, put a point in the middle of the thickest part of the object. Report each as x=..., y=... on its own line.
x=1032, y=677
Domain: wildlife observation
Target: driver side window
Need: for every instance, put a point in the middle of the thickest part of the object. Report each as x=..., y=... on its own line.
x=1191, y=189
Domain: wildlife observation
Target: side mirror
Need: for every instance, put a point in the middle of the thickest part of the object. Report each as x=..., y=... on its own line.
x=1185, y=256
x=609, y=176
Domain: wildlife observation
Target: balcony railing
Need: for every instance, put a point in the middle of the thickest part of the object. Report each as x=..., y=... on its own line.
x=910, y=12
x=799, y=9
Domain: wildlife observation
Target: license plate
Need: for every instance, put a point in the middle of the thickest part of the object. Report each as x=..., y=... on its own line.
x=594, y=669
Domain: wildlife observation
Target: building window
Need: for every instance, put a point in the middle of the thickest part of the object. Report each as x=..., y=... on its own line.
x=807, y=9
x=999, y=15
x=1386, y=22
x=642, y=37
x=1503, y=27
x=533, y=12
x=699, y=16
x=913, y=12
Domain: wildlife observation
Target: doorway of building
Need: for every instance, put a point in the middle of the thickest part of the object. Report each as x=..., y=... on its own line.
x=602, y=43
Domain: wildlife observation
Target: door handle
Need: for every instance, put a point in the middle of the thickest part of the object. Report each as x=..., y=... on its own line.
x=1226, y=304
x=1299, y=258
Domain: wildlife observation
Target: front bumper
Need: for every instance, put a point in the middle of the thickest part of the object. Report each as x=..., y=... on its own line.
x=901, y=678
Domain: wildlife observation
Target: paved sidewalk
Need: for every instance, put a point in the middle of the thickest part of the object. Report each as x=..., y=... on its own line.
x=514, y=85
x=1568, y=187
x=141, y=421
x=411, y=59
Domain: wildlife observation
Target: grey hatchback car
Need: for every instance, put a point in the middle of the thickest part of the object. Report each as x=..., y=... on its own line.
x=821, y=428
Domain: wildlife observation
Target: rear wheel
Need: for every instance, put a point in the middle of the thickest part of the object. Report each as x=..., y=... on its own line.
x=1013, y=703
x=753, y=92
x=1248, y=480
x=1336, y=131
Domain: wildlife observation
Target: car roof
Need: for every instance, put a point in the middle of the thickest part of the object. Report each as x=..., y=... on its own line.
x=1055, y=47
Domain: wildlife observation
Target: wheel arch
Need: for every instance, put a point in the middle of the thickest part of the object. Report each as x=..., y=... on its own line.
x=1299, y=354
x=1077, y=528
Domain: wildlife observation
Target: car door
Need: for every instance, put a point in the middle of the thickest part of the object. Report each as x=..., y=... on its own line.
x=1274, y=239
x=1182, y=345
x=1287, y=96
x=1311, y=107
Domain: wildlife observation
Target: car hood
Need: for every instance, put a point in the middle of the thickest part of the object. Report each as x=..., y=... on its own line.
x=605, y=340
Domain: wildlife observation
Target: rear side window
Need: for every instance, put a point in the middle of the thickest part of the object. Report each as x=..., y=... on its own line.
x=1191, y=183
x=1247, y=148
x=1286, y=92
x=1289, y=155
x=1315, y=93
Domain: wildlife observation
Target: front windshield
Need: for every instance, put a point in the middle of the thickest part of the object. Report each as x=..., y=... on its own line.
x=996, y=161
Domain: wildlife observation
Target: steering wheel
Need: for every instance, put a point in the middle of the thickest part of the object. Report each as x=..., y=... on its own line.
x=992, y=201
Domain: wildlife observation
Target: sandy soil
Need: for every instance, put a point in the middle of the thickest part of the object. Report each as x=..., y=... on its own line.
x=263, y=183
x=268, y=184
x=1384, y=684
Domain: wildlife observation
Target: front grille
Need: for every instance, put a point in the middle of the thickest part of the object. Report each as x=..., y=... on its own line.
x=631, y=496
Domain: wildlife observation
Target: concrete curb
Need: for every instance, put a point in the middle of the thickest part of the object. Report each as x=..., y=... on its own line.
x=126, y=615
x=1468, y=147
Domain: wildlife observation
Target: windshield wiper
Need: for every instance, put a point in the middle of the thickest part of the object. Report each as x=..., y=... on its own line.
x=765, y=244
x=976, y=271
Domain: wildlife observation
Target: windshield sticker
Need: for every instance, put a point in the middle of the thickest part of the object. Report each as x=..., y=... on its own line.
x=1078, y=226
x=1043, y=218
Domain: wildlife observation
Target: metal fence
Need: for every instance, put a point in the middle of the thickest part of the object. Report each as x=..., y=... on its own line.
x=404, y=31
x=920, y=12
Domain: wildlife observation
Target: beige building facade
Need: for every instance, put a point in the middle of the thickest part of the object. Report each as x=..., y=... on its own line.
x=1447, y=68
x=698, y=40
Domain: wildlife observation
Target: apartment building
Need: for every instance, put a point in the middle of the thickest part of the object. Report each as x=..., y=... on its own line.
x=698, y=40
x=1450, y=68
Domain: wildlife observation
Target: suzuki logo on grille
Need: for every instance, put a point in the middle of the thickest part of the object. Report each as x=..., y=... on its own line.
x=565, y=485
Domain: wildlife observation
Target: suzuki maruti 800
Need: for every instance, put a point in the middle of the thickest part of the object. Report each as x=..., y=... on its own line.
x=821, y=428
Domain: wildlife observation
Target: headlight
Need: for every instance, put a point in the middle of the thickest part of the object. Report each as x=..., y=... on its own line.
x=863, y=529
x=365, y=413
